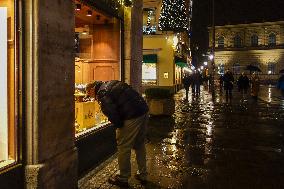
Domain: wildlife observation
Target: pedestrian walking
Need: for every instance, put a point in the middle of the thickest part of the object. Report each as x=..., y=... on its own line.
x=187, y=80
x=243, y=84
x=221, y=82
x=128, y=112
x=196, y=82
x=228, y=85
x=254, y=85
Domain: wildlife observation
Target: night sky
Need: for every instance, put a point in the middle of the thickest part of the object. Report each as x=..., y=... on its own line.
x=231, y=12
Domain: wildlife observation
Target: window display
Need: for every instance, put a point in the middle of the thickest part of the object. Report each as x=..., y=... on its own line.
x=87, y=111
x=98, y=58
x=8, y=86
x=149, y=74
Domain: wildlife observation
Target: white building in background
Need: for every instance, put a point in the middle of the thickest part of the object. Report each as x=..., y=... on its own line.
x=259, y=44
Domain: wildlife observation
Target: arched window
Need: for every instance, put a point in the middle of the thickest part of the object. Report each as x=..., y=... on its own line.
x=272, y=39
x=237, y=41
x=254, y=40
x=221, y=42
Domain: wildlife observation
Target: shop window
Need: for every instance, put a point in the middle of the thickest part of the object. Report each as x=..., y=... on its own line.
x=254, y=40
x=98, y=58
x=237, y=41
x=272, y=39
x=221, y=42
x=149, y=74
x=271, y=68
x=8, y=78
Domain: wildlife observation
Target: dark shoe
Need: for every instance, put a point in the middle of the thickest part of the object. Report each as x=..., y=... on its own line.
x=117, y=181
x=141, y=179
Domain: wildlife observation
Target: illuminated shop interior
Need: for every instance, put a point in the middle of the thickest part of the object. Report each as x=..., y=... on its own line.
x=8, y=130
x=98, y=57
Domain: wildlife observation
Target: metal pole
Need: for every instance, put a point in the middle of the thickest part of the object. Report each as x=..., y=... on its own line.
x=213, y=48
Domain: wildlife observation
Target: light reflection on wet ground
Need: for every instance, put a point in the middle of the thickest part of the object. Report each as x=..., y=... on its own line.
x=209, y=143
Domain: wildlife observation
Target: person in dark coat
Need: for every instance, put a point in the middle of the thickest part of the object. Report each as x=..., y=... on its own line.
x=196, y=82
x=280, y=84
x=255, y=85
x=128, y=112
x=221, y=82
x=228, y=84
x=187, y=81
x=243, y=83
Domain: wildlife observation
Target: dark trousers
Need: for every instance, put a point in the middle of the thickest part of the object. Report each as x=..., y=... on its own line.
x=186, y=92
x=229, y=95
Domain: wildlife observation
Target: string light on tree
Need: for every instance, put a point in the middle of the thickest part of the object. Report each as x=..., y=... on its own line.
x=173, y=16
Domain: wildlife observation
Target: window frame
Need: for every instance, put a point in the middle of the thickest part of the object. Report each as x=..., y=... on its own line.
x=254, y=40
x=272, y=39
x=238, y=41
x=221, y=42
x=15, y=96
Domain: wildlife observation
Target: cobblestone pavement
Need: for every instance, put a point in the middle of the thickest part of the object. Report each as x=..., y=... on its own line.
x=211, y=144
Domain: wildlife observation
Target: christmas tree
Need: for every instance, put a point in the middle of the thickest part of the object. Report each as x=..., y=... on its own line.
x=173, y=16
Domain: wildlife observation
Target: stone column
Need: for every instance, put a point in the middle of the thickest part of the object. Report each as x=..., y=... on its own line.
x=134, y=44
x=51, y=156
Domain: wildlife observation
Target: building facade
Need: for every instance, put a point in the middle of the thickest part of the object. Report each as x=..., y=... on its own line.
x=49, y=50
x=165, y=52
x=258, y=44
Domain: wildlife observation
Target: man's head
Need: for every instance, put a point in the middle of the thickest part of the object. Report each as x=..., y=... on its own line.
x=92, y=88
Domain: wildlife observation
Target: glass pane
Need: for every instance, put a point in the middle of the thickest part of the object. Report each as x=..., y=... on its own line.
x=272, y=39
x=7, y=82
x=254, y=40
x=98, y=58
x=221, y=42
x=149, y=74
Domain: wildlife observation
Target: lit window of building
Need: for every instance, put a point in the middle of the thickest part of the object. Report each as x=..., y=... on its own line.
x=221, y=42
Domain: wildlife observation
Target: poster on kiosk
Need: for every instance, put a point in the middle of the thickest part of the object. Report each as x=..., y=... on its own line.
x=3, y=86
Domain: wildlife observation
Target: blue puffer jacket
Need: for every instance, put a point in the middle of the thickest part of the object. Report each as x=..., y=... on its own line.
x=120, y=102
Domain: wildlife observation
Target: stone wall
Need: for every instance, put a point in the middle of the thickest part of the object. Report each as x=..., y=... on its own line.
x=49, y=57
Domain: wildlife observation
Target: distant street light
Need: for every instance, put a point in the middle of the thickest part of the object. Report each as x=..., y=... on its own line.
x=211, y=57
x=205, y=63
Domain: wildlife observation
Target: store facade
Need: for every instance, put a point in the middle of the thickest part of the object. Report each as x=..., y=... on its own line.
x=166, y=52
x=50, y=50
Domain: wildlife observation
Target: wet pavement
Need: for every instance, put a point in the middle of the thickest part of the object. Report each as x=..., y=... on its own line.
x=211, y=144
